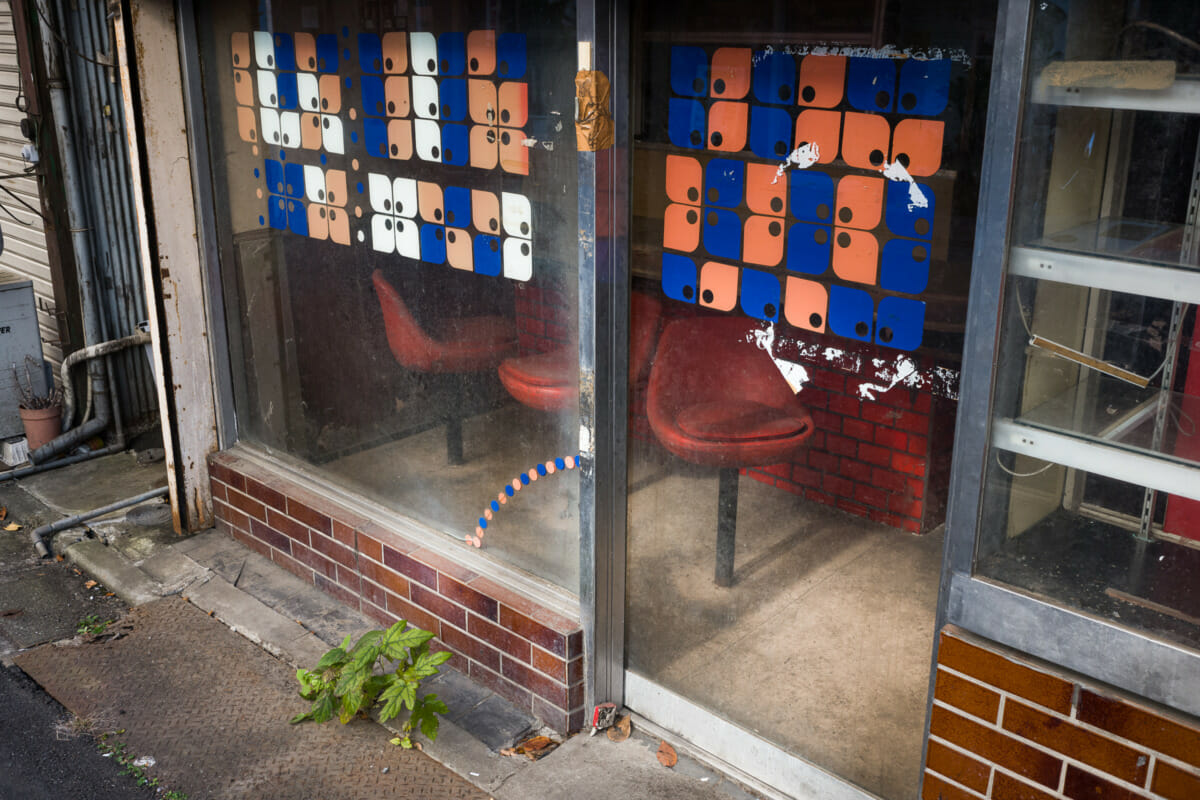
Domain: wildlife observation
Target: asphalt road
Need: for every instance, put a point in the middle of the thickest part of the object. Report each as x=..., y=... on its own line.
x=40, y=760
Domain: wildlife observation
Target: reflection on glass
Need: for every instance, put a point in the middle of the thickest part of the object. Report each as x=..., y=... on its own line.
x=803, y=207
x=1090, y=497
x=396, y=213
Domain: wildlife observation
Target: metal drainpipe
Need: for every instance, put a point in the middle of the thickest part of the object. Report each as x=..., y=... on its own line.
x=77, y=218
x=38, y=534
x=96, y=350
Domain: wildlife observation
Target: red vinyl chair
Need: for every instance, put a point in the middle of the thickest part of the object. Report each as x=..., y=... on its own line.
x=550, y=381
x=717, y=400
x=462, y=345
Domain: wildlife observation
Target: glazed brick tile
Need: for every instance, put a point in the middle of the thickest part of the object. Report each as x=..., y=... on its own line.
x=410, y=567
x=855, y=470
x=350, y=579
x=844, y=404
x=549, y=665
x=957, y=767
x=805, y=476
x=966, y=696
x=385, y=618
x=575, y=645
x=309, y=516
x=874, y=454
x=389, y=538
x=853, y=508
x=916, y=488
x=319, y=563
x=471, y=647
x=858, y=429
x=995, y=746
x=550, y=690
x=534, y=631
x=1065, y=737
x=923, y=402
x=910, y=464
x=257, y=545
x=1084, y=785
x=499, y=638
x=823, y=462
x=292, y=565
x=551, y=715
x=370, y=547
x=869, y=495
x=841, y=445
x=1141, y=725
x=934, y=788
x=226, y=475
x=879, y=414
x=331, y=548
x=886, y=479
x=217, y=490
x=265, y=494
x=372, y=592
x=248, y=505
x=838, y=486
x=918, y=445
x=271, y=536
x=1006, y=787
x=574, y=671
x=467, y=597
x=890, y=437
x=898, y=504
x=1005, y=674
x=438, y=606
x=444, y=565
x=524, y=605
x=288, y=526
x=456, y=662
x=520, y=697
x=232, y=516
x=415, y=615
x=383, y=576
x=912, y=422
x=1174, y=783
x=825, y=420
x=344, y=534
x=333, y=589
x=828, y=379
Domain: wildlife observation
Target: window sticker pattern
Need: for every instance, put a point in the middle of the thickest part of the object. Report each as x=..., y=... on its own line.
x=755, y=219
x=455, y=98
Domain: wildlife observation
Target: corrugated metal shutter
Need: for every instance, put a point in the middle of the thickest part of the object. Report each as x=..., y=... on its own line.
x=24, y=237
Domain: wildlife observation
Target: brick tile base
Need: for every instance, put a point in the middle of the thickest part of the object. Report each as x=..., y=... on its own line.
x=528, y=654
x=1004, y=726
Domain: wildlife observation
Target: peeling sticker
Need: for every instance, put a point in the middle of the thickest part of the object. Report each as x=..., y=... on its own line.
x=803, y=157
x=905, y=372
x=585, y=439
x=895, y=171
x=795, y=374
x=887, y=51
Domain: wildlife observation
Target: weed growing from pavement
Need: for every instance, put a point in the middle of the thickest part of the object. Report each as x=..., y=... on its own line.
x=91, y=625
x=116, y=750
x=344, y=682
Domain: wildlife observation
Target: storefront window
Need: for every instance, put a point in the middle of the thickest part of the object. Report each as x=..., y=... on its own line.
x=1092, y=496
x=805, y=185
x=395, y=186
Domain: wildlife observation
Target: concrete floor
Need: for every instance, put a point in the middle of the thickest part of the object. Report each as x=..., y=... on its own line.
x=832, y=614
x=830, y=620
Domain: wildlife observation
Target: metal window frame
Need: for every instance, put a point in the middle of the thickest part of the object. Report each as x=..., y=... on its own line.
x=1076, y=641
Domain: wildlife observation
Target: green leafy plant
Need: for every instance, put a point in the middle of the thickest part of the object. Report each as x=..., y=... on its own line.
x=383, y=666
x=91, y=625
x=115, y=750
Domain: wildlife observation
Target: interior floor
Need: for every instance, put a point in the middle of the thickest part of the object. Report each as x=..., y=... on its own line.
x=821, y=645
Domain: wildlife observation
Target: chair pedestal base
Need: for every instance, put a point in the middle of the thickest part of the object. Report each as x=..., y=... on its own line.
x=727, y=495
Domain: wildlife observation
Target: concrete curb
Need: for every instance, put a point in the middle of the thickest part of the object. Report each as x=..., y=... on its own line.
x=114, y=571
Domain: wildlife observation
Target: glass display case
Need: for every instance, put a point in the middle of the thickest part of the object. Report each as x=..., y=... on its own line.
x=1092, y=480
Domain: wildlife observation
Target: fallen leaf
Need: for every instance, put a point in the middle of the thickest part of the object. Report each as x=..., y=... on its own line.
x=12, y=612
x=621, y=729
x=89, y=584
x=12, y=526
x=60, y=557
x=532, y=748
x=110, y=594
x=3, y=512
x=666, y=755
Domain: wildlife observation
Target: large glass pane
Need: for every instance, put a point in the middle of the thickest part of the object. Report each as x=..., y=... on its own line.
x=805, y=184
x=1091, y=495
x=396, y=205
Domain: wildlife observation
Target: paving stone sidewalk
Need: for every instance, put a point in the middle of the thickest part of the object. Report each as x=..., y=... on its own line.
x=212, y=709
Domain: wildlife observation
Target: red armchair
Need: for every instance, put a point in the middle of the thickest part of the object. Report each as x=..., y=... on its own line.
x=462, y=345
x=716, y=399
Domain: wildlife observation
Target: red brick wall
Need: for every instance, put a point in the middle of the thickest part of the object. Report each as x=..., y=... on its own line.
x=522, y=651
x=1006, y=727
x=542, y=318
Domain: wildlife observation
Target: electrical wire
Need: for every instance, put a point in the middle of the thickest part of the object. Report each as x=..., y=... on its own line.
x=20, y=200
x=64, y=42
x=1015, y=474
x=1163, y=29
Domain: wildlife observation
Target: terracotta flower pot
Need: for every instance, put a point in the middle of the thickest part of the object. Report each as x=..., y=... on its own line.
x=41, y=424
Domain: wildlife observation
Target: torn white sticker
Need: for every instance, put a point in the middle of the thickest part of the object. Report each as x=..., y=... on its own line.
x=802, y=157
x=585, y=439
x=895, y=171
x=795, y=374
x=905, y=370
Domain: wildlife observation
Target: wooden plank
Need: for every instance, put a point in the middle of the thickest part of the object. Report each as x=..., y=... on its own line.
x=174, y=272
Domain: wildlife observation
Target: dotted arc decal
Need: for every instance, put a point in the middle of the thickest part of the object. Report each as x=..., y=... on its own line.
x=515, y=485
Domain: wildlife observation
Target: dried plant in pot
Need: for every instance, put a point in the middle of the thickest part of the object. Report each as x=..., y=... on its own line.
x=40, y=413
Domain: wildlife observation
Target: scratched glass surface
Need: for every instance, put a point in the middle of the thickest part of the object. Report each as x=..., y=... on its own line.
x=804, y=189
x=395, y=191
x=1090, y=496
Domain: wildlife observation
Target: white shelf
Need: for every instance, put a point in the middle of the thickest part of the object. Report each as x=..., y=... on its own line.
x=1179, y=478
x=1097, y=272
x=1181, y=97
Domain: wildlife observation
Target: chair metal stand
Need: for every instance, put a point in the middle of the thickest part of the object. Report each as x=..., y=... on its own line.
x=727, y=497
